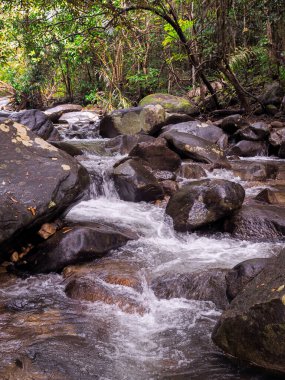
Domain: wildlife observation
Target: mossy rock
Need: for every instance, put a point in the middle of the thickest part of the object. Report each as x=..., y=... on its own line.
x=171, y=103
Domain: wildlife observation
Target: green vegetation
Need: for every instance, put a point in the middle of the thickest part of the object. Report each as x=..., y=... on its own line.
x=111, y=53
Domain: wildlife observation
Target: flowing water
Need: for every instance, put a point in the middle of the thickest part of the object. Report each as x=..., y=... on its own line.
x=46, y=335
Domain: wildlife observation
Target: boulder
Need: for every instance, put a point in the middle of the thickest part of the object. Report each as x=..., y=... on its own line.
x=246, y=148
x=134, y=182
x=175, y=118
x=171, y=103
x=206, y=131
x=254, y=171
x=157, y=155
x=207, y=285
x=233, y=123
x=71, y=149
x=260, y=128
x=240, y=275
x=123, y=144
x=169, y=187
x=131, y=121
x=277, y=137
x=252, y=328
x=56, y=112
x=246, y=134
x=203, y=202
x=191, y=171
x=273, y=94
x=275, y=195
x=190, y=146
x=38, y=181
x=257, y=222
x=110, y=282
x=74, y=244
x=37, y=122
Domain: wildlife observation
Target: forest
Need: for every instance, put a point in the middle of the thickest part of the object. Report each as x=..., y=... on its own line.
x=112, y=53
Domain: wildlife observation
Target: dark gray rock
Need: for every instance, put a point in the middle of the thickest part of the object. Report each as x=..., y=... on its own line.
x=231, y=124
x=72, y=245
x=37, y=122
x=38, y=181
x=207, y=285
x=203, y=202
x=246, y=148
x=134, y=182
x=190, y=146
x=252, y=328
x=157, y=155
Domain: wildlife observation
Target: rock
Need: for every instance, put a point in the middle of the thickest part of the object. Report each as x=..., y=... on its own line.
x=206, y=131
x=175, y=118
x=246, y=148
x=83, y=117
x=135, y=183
x=272, y=110
x=277, y=124
x=274, y=195
x=38, y=181
x=241, y=274
x=257, y=222
x=191, y=171
x=231, y=124
x=252, y=328
x=74, y=244
x=164, y=175
x=261, y=129
x=111, y=282
x=207, y=285
x=131, y=121
x=157, y=155
x=123, y=144
x=56, y=112
x=254, y=171
x=37, y=122
x=203, y=202
x=190, y=146
x=277, y=137
x=246, y=134
x=71, y=149
x=169, y=187
x=171, y=103
x=273, y=94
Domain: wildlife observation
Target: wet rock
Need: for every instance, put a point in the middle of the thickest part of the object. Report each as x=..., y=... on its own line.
x=257, y=222
x=247, y=134
x=246, y=148
x=37, y=122
x=252, y=328
x=206, y=131
x=123, y=144
x=157, y=155
x=71, y=149
x=191, y=171
x=84, y=117
x=273, y=94
x=164, y=175
x=131, y=121
x=108, y=282
x=254, y=171
x=203, y=202
x=260, y=128
x=169, y=187
x=74, y=244
x=56, y=112
x=207, y=285
x=38, y=181
x=134, y=182
x=241, y=274
x=275, y=195
x=175, y=118
x=190, y=146
x=277, y=124
x=277, y=137
x=171, y=103
x=231, y=124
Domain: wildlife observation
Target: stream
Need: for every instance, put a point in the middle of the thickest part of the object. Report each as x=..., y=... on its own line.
x=46, y=335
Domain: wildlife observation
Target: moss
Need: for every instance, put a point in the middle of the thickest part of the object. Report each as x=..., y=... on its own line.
x=170, y=103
